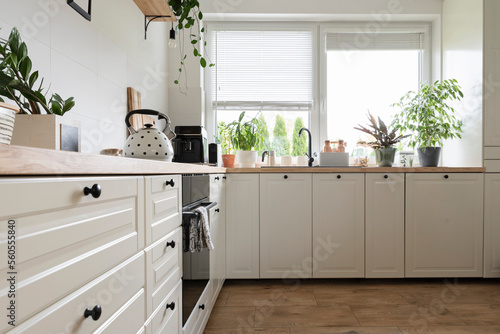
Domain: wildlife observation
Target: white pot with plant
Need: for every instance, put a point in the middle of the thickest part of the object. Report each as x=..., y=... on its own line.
x=246, y=140
x=18, y=83
x=429, y=118
x=7, y=118
x=384, y=141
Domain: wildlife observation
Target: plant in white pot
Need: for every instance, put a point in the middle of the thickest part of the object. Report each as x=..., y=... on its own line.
x=246, y=139
x=19, y=84
x=384, y=140
x=429, y=118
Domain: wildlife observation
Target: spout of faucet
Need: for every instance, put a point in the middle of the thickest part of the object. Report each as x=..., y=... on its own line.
x=309, y=147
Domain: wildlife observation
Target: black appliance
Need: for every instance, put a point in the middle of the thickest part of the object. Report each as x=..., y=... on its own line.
x=190, y=144
x=196, y=265
x=215, y=154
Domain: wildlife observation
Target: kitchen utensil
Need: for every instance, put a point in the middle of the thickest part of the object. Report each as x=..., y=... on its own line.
x=149, y=142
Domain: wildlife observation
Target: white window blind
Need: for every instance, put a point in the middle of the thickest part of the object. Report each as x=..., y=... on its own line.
x=379, y=41
x=262, y=70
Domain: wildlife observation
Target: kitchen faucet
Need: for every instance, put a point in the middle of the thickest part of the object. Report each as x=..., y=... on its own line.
x=309, y=149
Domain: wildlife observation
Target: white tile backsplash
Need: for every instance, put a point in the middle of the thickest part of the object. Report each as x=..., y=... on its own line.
x=93, y=61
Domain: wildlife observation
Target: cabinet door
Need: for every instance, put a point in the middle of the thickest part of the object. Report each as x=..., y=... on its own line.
x=444, y=225
x=385, y=225
x=492, y=225
x=338, y=228
x=285, y=225
x=242, y=226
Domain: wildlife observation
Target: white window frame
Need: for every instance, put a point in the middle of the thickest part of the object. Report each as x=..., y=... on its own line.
x=257, y=26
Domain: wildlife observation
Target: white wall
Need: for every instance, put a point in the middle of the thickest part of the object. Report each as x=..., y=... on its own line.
x=463, y=60
x=94, y=61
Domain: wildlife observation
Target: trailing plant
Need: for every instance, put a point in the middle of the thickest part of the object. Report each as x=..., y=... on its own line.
x=189, y=15
x=245, y=134
x=428, y=116
x=384, y=138
x=19, y=84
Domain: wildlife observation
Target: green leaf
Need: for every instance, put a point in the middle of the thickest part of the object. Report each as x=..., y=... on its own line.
x=203, y=62
x=25, y=68
x=194, y=41
x=176, y=82
x=200, y=15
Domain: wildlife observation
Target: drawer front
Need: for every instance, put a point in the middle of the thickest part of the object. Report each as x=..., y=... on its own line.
x=163, y=206
x=200, y=312
x=167, y=320
x=216, y=185
x=130, y=317
x=64, y=248
x=164, y=267
x=114, y=292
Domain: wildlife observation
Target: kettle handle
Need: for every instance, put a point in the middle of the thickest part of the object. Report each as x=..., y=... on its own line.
x=152, y=113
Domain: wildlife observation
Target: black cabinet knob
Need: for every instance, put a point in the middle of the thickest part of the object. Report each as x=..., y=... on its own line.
x=386, y=176
x=171, y=306
x=285, y=177
x=170, y=183
x=171, y=244
x=217, y=210
x=95, y=191
x=446, y=176
x=217, y=178
x=95, y=312
x=202, y=306
x=224, y=177
x=339, y=176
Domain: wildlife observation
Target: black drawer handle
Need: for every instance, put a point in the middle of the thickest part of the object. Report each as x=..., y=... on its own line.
x=95, y=191
x=95, y=312
x=285, y=177
x=217, y=210
x=446, y=176
x=171, y=244
x=171, y=306
x=202, y=306
x=339, y=176
x=217, y=178
x=170, y=183
x=386, y=176
x=224, y=177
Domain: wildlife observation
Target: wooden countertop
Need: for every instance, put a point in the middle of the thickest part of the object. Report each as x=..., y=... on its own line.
x=20, y=160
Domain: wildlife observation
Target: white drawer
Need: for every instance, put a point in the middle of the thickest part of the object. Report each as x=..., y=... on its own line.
x=167, y=318
x=201, y=311
x=163, y=206
x=115, y=291
x=163, y=268
x=129, y=317
x=72, y=241
x=216, y=185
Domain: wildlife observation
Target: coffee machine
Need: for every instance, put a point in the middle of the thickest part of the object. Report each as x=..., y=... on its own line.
x=190, y=144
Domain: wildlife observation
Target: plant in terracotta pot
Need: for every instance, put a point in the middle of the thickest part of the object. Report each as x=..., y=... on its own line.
x=429, y=117
x=223, y=138
x=20, y=84
x=384, y=140
x=246, y=139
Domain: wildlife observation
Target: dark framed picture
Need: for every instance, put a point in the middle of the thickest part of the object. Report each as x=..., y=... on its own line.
x=82, y=7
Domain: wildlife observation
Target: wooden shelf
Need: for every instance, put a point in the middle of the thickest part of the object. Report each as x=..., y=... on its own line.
x=156, y=7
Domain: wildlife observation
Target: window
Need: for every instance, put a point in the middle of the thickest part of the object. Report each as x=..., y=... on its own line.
x=266, y=72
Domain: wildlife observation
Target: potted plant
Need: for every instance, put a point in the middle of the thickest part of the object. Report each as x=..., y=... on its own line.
x=428, y=116
x=384, y=141
x=18, y=83
x=224, y=139
x=246, y=139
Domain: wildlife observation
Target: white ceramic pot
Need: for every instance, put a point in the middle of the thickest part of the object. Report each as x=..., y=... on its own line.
x=7, y=118
x=246, y=159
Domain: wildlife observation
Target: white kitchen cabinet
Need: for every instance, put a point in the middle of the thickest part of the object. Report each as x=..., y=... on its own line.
x=492, y=225
x=444, y=225
x=285, y=225
x=242, y=225
x=384, y=225
x=338, y=225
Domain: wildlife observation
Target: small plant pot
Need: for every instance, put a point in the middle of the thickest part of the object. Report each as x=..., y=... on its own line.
x=228, y=160
x=7, y=118
x=429, y=156
x=246, y=159
x=385, y=156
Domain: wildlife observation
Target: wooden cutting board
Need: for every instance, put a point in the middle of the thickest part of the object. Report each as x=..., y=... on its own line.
x=134, y=102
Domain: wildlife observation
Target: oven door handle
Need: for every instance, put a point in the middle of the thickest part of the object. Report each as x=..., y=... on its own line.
x=207, y=205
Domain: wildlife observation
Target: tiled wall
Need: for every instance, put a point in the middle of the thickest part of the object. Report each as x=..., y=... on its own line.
x=94, y=61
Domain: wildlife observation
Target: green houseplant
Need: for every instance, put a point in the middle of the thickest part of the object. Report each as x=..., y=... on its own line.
x=430, y=119
x=224, y=139
x=189, y=17
x=384, y=140
x=246, y=139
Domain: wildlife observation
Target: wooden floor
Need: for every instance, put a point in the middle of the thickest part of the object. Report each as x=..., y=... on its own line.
x=357, y=306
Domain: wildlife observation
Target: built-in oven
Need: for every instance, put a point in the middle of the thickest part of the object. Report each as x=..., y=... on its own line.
x=196, y=264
